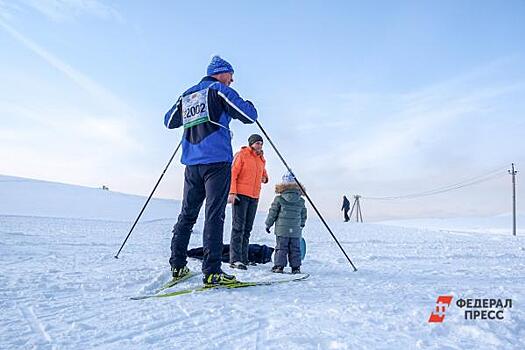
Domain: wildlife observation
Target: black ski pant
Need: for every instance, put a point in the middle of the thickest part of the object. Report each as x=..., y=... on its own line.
x=210, y=182
x=346, y=214
x=243, y=213
x=287, y=247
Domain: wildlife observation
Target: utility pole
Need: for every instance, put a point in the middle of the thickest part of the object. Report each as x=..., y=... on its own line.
x=513, y=172
x=357, y=206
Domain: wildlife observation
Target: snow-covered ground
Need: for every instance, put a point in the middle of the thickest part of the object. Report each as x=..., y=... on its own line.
x=499, y=224
x=61, y=288
x=28, y=197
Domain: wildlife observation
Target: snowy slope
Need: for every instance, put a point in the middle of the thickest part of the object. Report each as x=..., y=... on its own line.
x=499, y=224
x=21, y=196
x=61, y=288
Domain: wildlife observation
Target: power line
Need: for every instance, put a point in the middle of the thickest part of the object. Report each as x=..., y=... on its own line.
x=452, y=187
x=470, y=179
x=437, y=191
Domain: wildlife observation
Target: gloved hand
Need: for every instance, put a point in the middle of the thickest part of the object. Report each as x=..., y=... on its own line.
x=268, y=230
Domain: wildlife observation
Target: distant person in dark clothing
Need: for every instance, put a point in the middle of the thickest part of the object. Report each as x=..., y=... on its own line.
x=346, y=208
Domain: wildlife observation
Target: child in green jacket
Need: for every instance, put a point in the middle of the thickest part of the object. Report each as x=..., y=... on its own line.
x=288, y=213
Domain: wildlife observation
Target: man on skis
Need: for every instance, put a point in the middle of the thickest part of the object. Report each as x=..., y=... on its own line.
x=205, y=111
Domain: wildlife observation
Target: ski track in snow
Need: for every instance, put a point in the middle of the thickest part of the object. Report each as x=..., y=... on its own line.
x=60, y=287
x=34, y=323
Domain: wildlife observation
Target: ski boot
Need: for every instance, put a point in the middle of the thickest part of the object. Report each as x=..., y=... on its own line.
x=218, y=279
x=278, y=269
x=238, y=265
x=180, y=272
x=296, y=270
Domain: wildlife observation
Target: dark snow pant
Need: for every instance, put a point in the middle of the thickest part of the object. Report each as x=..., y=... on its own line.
x=210, y=182
x=346, y=214
x=243, y=214
x=287, y=246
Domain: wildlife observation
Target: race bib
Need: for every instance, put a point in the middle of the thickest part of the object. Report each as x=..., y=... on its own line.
x=195, y=108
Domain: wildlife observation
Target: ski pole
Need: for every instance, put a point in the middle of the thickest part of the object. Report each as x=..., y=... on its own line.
x=147, y=201
x=306, y=194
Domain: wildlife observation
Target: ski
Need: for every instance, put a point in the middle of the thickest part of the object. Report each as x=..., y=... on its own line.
x=175, y=281
x=239, y=284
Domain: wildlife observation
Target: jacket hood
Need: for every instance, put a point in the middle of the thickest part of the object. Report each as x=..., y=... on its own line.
x=289, y=191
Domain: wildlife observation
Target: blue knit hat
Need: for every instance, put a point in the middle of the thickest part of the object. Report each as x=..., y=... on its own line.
x=218, y=65
x=288, y=178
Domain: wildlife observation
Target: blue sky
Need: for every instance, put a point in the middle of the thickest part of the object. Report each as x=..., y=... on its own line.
x=378, y=98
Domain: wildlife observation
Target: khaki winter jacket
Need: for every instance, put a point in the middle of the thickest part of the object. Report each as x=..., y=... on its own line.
x=287, y=211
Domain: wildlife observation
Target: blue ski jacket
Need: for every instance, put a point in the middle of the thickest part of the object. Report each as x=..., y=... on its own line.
x=207, y=137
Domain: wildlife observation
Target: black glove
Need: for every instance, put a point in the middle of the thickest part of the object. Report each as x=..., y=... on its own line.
x=268, y=230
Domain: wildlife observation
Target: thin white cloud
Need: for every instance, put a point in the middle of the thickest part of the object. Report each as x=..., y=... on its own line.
x=63, y=133
x=80, y=79
x=67, y=10
x=420, y=115
x=5, y=12
x=95, y=130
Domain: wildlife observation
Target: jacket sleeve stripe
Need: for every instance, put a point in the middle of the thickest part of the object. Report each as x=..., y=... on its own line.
x=234, y=106
x=168, y=120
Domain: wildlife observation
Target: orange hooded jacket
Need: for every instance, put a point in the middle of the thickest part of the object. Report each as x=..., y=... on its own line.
x=248, y=172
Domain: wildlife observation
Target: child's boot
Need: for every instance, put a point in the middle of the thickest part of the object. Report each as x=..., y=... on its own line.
x=277, y=269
